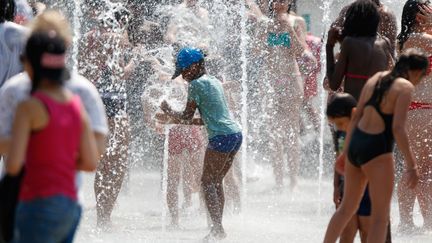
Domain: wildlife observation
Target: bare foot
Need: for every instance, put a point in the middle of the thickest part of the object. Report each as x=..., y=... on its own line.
x=215, y=235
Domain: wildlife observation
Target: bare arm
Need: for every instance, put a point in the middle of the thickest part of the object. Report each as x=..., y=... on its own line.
x=4, y=145
x=399, y=128
x=255, y=10
x=400, y=133
x=88, y=151
x=163, y=118
x=100, y=140
x=171, y=33
x=185, y=117
x=389, y=27
x=336, y=189
x=20, y=136
x=336, y=71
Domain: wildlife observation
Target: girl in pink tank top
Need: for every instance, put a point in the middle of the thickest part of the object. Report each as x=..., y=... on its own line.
x=51, y=140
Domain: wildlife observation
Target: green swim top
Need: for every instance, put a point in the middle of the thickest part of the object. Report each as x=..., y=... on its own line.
x=282, y=39
x=208, y=94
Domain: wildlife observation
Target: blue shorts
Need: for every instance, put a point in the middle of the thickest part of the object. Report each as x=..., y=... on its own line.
x=365, y=204
x=226, y=143
x=51, y=219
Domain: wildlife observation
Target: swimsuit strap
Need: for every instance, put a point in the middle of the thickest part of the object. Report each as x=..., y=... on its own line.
x=356, y=76
x=373, y=102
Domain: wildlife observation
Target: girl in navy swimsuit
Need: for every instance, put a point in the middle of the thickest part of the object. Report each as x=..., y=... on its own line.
x=379, y=120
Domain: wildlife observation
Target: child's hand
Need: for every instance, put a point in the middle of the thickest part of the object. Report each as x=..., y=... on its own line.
x=162, y=118
x=165, y=107
x=334, y=35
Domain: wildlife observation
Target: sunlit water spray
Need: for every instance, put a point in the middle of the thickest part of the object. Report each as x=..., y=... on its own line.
x=326, y=8
x=266, y=217
x=244, y=100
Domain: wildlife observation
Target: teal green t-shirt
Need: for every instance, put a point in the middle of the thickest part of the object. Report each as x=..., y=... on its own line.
x=208, y=94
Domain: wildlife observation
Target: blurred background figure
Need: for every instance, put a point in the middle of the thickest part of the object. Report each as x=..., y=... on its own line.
x=103, y=58
x=12, y=41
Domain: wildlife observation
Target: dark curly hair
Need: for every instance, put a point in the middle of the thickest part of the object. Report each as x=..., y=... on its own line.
x=7, y=10
x=362, y=19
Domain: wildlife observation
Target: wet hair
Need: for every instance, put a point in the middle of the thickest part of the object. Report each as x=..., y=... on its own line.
x=411, y=59
x=377, y=2
x=409, y=14
x=341, y=105
x=362, y=19
x=7, y=10
x=38, y=44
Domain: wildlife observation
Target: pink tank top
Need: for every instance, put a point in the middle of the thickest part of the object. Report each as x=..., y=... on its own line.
x=52, y=152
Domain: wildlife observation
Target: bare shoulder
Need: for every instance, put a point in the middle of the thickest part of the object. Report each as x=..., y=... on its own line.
x=349, y=41
x=404, y=85
x=383, y=41
x=417, y=39
x=30, y=106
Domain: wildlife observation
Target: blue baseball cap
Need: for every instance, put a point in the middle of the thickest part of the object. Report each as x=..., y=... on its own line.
x=185, y=58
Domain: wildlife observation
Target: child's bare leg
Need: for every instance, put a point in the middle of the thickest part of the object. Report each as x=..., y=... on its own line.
x=112, y=169
x=173, y=182
x=216, y=165
x=188, y=178
x=355, y=184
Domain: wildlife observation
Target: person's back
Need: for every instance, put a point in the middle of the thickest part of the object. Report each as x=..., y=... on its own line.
x=51, y=159
x=12, y=38
x=51, y=134
x=387, y=26
x=208, y=93
x=377, y=118
x=363, y=51
x=367, y=56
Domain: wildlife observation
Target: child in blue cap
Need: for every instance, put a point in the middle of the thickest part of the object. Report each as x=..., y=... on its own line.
x=225, y=138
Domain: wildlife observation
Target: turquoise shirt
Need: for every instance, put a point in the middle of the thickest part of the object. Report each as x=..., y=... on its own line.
x=208, y=94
